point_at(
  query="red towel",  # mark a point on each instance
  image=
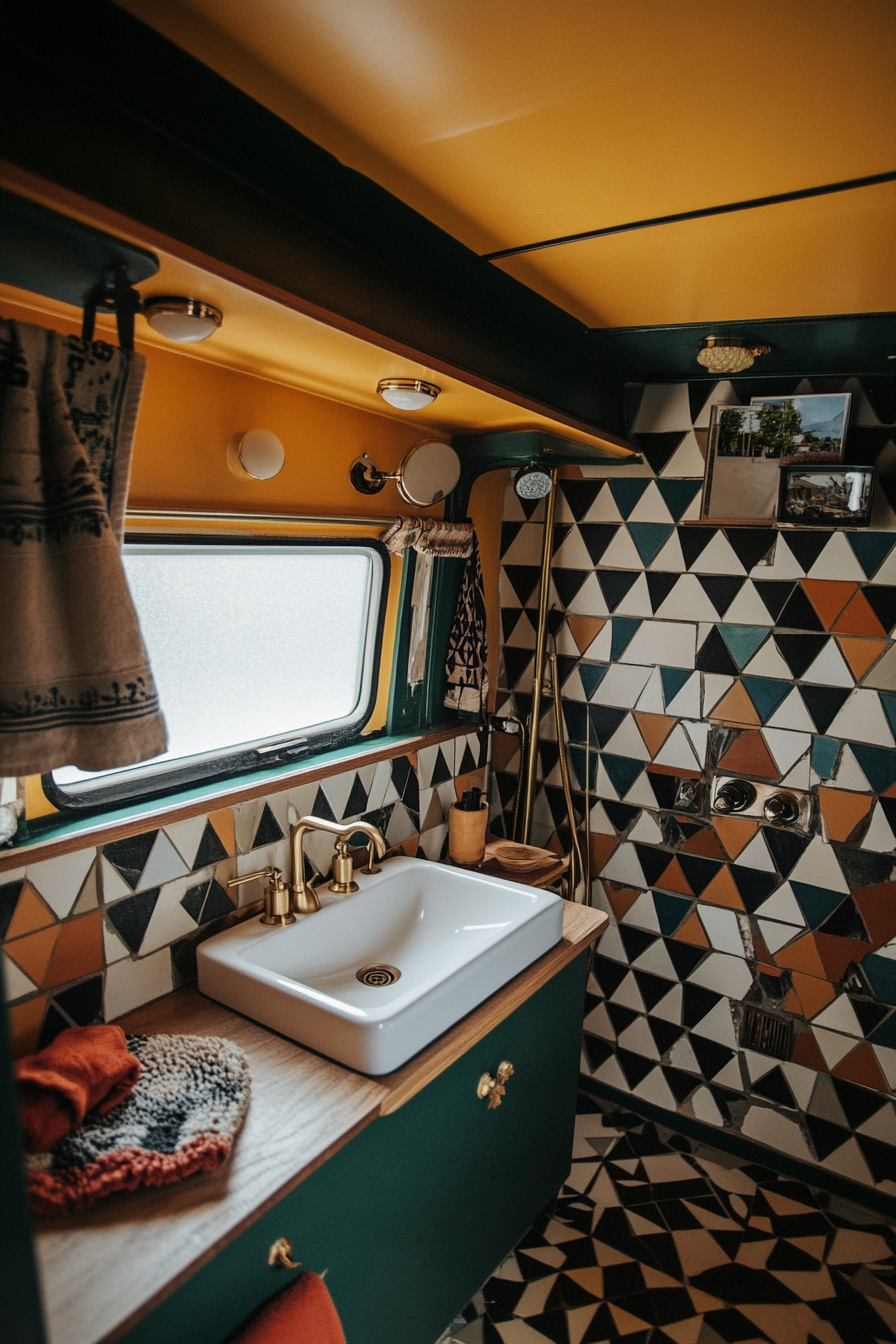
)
(301, 1314)
(83, 1069)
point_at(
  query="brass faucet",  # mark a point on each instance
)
(304, 899)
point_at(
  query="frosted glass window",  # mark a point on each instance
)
(252, 647)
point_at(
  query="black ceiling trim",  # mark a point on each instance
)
(780, 198)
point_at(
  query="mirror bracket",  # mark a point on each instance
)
(366, 478)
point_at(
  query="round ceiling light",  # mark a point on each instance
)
(407, 394)
(729, 354)
(533, 482)
(183, 320)
(255, 455)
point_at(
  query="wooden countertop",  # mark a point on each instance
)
(105, 1269)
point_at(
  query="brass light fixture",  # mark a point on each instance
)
(729, 354)
(407, 394)
(180, 319)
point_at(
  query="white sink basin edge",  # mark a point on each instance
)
(457, 937)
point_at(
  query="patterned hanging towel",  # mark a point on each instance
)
(466, 665)
(75, 683)
(181, 1117)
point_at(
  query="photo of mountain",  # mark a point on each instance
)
(801, 430)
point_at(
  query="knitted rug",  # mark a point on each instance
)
(180, 1118)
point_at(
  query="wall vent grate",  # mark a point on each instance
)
(766, 1034)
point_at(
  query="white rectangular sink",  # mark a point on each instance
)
(454, 935)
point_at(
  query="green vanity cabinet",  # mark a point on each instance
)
(411, 1216)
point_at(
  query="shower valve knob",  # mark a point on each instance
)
(782, 808)
(735, 796)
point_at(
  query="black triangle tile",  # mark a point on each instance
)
(129, 856)
(652, 987)
(862, 868)
(568, 582)
(753, 885)
(620, 1016)
(635, 941)
(609, 974)
(53, 1024)
(83, 1003)
(685, 958)
(774, 594)
(882, 600)
(698, 395)
(694, 541)
(523, 580)
(787, 1256)
(882, 397)
(799, 614)
(468, 762)
(131, 916)
(653, 861)
(870, 1015)
(615, 584)
(713, 655)
(441, 771)
(597, 537)
(698, 871)
(859, 1103)
(635, 1068)
(711, 1056)
(681, 1084)
(806, 546)
(580, 495)
(823, 703)
(210, 848)
(845, 922)
(510, 619)
(658, 449)
(529, 507)
(356, 803)
(322, 808)
(217, 903)
(786, 849)
(881, 1157)
(751, 544)
(268, 831)
(9, 899)
(509, 534)
(773, 1086)
(800, 651)
(597, 1051)
(696, 1002)
(194, 899)
(516, 661)
(620, 814)
(604, 721)
(721, 590)
(665, 1034)
(561, 532)
(659, 586)
(577, 717)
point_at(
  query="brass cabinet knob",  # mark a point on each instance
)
(493, 1088)
(281, 1254)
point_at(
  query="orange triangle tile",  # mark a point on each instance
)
(678, 771)
(584, 629)
(673, 879)
(412, 757)
(474, 780)
(842, 811)
(31, 913)
(861, 654)
(858, 619)
(621, 898)
(802, 956)
(602, 847)
(878, 910)
(837, 953)
(736, 708)
(749, 755)
(890, 792)
(78, 951)
(704, 842)
(792, 1003)
(807, 1053)
(222, 824)
(767, 968)
(814, 994)
(654, 728)
(32, 954)
(735, 833)
(702, 1301)
(828, 597)
(569, 472)
(692, 931)
(861, 1066)
(504, 747)
(591, 1278)
(683, 1332)
(722, 891)
(759, 948)
(25, 1022)
(626, 1323)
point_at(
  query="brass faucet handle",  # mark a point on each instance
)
(371, 866)
(343, 870)
(276, 895)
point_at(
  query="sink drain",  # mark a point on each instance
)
(378, 975)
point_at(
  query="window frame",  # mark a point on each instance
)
(128, 790)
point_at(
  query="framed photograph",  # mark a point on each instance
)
(741, 479)
(803, 430)
(826, 496)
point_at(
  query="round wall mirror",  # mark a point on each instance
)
(427, 473)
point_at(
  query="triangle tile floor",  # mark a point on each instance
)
(657, 1239)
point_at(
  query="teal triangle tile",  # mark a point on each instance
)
(881, 975)
(624, 631)
(670, 911)
(627, 490)
(673, 678)
(677, 495)
(743, 640)
(622, 770)
(584, 763)
(878, 765)
(649, 538)
(816, 903)
(888, 704)
(871, 549)
(825, 751)
(767, 694)
(591, 675)
(885, 1034)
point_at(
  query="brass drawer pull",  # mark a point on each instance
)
(494, 1088)
(280, 1254)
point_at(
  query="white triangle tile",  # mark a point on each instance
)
(803, 388)
(643, 914)
(799, 776)
(667, 643)
(694, 509)
(829, 668)
(573, 689)
(782, 905)
(669, 559)
(757, 1065)
(16, 981)
(664, 407)
(59, 880)
(715, 684)
(669, 1007)
(879, 837)
(792, 714)
(628, 994)
(730, 1076)
(723, 394)
(704, 630)
(784, 566)
(589, 600)
(641, 794)
(677, 751)
(862, 719)
(769, 1126)
(717, 1024)
(717, 558)
(646, 831)
(611, 1074)
(723, 973)
(637, 1037)
(682, 1056)
(114, 949)
(848, 1161)
(882, 676)
(636, 603)
(163, 865)
(525, 549)
(598, 1024)
(114, 885)
(850, 774)
(650, 508)
(522, 636)
(621, 553)
(801, 1082)
(748, 608)
(768, 663)
(687, 460)
(622, 686)
(603, 786)
(756, 855)
(601, 647)
(881, 1126)
(604, 509)
(786, 747)
(169, 919)
(655, 1089)
(840, 1016)
(650, 700)
(686, 701)
(573, 554)
(776, 935)
(687, 602)
(512, 511)
(185, 836)
(656, 960)
(89, 896)
(818, 866)
(887, 571)
(611, 945)
(698, 735)
(600, 822)
(623, 866)
(837, 561)
(722, 929)
(886, 1058)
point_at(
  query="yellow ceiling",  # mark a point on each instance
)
(515, 120)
